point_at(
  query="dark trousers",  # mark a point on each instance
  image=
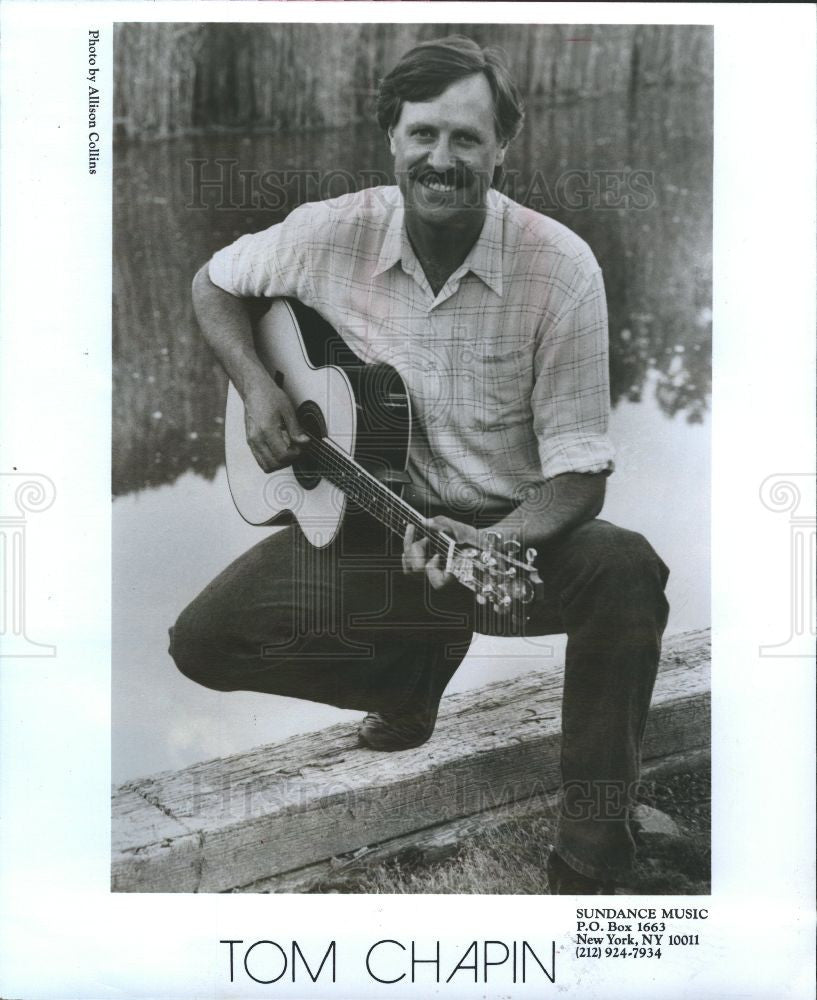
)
(343, 625)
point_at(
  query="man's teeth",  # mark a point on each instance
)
(437, 185)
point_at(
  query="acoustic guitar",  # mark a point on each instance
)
(358, 419)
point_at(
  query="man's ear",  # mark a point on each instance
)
(391, 139)
(499, 159)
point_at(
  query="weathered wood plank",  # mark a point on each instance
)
(150, 843)
(283, 807)
(438, 841)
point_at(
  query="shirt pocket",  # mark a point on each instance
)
(501, 383)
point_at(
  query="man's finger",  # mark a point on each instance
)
(293, 429)
(416, 554)
(408, 538)
(283, 446)
(462, 533)
(436, 575)
(262, 454)
(451, 528)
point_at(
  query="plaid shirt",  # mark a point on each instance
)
(506, 366)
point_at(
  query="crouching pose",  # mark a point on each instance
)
(495, 318)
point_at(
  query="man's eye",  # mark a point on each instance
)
(422, 133)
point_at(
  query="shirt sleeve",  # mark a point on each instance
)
(270, 263)
(571, 393)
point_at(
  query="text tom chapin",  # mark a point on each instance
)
(390, 961)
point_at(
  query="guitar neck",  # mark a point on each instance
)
(372, 496)
(497, 577)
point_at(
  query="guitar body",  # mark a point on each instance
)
(364, 409)
(358, 419)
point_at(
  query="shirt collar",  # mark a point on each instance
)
(392, 249)
(484, 258)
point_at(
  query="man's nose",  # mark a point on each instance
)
(441, 158)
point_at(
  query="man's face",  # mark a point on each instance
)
(445, 151)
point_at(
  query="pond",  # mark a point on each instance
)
(631, 174)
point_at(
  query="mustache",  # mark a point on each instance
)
(458, 176)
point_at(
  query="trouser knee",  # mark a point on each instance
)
(626, 559)
(197, 655)
(615, 573)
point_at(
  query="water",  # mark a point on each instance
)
(174, 526)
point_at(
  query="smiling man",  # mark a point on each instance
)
(446, 152)
(495, 317)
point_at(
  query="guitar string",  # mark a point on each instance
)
(391, 505)
(364, 479)
(373, 490)
(385, 505)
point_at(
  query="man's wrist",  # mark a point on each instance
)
(255, 382)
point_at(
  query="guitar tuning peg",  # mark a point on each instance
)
(492, 540)
(530, 556)
(512, 546)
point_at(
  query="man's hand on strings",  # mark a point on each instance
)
(417, 551)
(273, 432)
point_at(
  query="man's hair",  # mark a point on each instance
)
(428, 69)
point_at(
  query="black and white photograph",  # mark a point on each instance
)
(407, 490)
(411, 414)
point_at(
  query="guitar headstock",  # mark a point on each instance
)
(498, 573)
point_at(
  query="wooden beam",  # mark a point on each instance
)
(260, 817)
(437, 842)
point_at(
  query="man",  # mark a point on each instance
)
(495, 317)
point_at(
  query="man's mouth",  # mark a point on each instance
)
(444, 183)
(434, 183)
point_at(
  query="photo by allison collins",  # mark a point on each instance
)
(93, 102)
(420, 394)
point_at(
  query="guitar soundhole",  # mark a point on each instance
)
(306, 469)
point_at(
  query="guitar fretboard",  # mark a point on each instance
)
(370, 494)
